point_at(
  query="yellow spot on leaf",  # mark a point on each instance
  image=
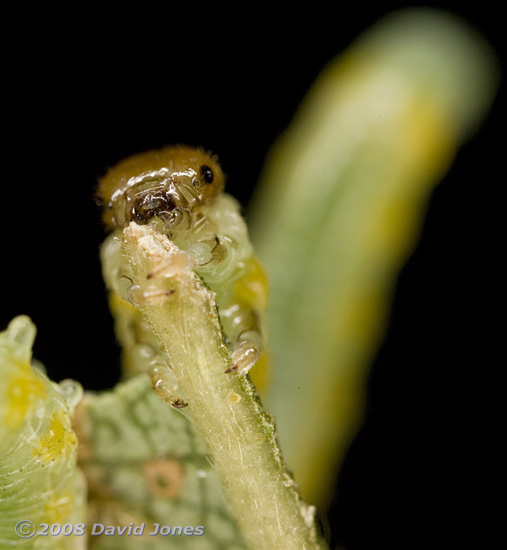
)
(24, 390)
(58, 440)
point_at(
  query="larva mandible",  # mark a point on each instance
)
(179, 190)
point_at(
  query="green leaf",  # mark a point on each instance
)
(39, 479)
(338, 211)
(146, 464)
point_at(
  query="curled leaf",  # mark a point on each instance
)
(39, 479)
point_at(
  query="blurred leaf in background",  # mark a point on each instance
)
(339, 210)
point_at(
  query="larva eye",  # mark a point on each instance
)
(207, 173)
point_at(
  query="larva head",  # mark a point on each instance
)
(167, 184)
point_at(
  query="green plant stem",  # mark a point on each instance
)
(240, 435)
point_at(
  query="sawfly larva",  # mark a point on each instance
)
(178, 191)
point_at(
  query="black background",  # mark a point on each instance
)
(82, 90)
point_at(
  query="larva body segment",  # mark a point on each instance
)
(179, 192)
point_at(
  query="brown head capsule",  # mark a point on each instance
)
(167, 184)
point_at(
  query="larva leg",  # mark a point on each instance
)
(241, 324)
(147, 295)
(142, 354)
(210, 252)
(212, 246)
(119, 279)
(205, 255)
(141, 350)
(245, 354)
(165, 383)
(163, 380)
